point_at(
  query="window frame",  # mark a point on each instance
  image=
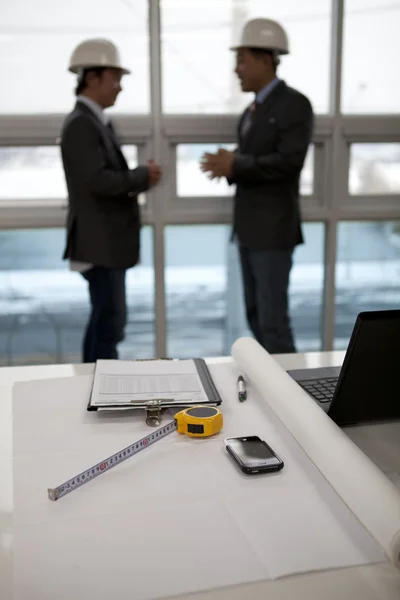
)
(157, 135)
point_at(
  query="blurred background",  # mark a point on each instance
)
(185, 297)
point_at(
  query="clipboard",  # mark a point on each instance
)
(151, 384)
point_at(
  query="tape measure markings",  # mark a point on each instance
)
(196, 421)
(112, 461)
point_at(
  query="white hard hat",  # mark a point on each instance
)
(266, 34)
(96, 52)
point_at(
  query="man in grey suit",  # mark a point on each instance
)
(274, 134)
(103, 224)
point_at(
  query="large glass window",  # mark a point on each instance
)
(44, 306)
(370, 50)
(191, 182)
(38, 37)
(374, 169)
(198, 65)
(306, 287)
(205, 309)
(367, 272)
(36, 173)
(196, 284)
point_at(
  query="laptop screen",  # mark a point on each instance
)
(368, 388)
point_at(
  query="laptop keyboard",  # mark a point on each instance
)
(320, 389)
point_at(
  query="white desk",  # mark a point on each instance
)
(381, 443)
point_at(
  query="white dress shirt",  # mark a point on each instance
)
(96, 108)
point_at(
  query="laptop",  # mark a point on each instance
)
(367, 386)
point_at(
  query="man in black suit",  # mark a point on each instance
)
(103, 224)
(274, 134)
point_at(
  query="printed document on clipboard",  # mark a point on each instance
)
(123, 384)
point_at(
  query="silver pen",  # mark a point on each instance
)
(242, 394)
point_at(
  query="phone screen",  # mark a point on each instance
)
(253, 452)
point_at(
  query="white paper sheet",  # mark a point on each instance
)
(177, 518)
(135, 382)
(358, 481)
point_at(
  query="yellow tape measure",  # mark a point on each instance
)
(197, 421)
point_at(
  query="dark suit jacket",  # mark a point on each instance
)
(267, 169)
(103, 221)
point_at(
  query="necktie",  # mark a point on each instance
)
(249, 118)
(110, 127)
(115, 141)
(113, 134)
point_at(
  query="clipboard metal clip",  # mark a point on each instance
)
(154, 409)
(153, 413)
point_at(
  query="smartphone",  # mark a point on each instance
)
(253, 455)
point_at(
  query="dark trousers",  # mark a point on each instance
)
(266, 280)
(105, 328)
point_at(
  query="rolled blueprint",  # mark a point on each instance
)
(363, 487)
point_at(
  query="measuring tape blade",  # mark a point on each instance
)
(112, 461)
(196, 421)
